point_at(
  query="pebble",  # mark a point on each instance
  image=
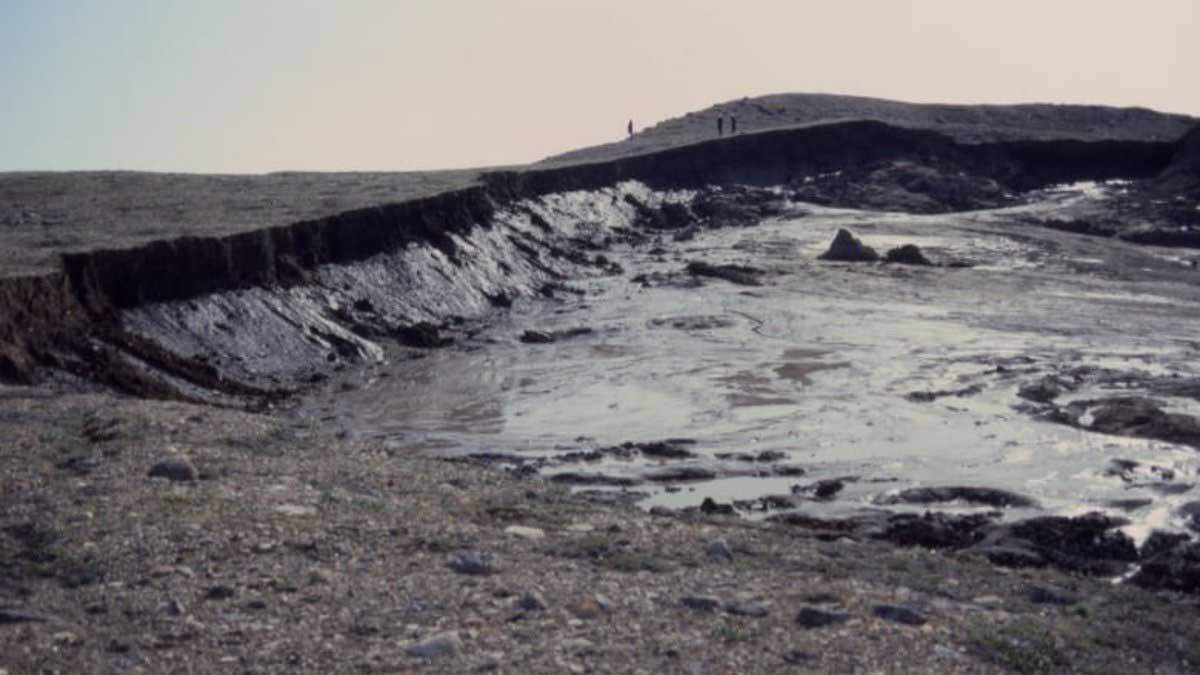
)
(719, 550)
(989, 600)
(177, 469)
(162, 571)
(320, 577)
(442, 644)
(604, 603)
(295, 510)
(898, 614)
(703, 603)
(532, 602)
(811, 617)
(13, 615)
(524, 532)
(751, 609)
(490, 661)
(476, 563)
(581, 527)
(220, 592)
(578, 646)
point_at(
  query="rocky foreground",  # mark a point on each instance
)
(142, 536)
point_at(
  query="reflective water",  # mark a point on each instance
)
(817, 363)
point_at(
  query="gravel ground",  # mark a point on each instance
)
(261, 546)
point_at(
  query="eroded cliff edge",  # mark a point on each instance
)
(69, 320)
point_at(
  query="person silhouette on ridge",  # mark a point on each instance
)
(720, 125)
(630, 128)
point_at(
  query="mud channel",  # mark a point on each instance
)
(828, 388)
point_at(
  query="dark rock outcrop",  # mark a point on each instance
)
(973, 495)
(908, 254)
(741, 275)
(847, 248)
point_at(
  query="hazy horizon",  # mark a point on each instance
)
(276, 85)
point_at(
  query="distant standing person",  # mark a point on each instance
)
(732, 125)
(630, 127)
(720, 125)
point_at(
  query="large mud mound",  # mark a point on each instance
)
(963, 123)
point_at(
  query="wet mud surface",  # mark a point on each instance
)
(1024, 364)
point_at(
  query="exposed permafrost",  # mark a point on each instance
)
(344, 313)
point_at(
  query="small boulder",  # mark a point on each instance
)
(177, 469)
(907, 254)
(901, 615)
(474, 563)
(701, 603)
(442, 644)
(812, 617)
(848, 248)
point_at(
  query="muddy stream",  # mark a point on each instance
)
(883, 376)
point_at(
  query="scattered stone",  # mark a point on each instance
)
(936, 530)
(442, 644)
(578, 646)
(1161, 542)
(736, 274)
(581, 527)
(898, 614)
(1128, 504)
(680, 474)
(908, 254)
(475, 563)
(10, 615)
(711, 507)
(1190, 513)
(764, 456)
(664, 450)
(295, 510)
(592, 478)
(1041, 595)
(525, 532)
(220, 592)
(847, 248)
(116, 646)
(813, 617)
(827, 489)
(746, 608)
(532, 601)
(536, 337)
(1044, 390)
(974, 495)
(547, 337)
(719, 550)
(1176, 569)
(177, 469)
(702, 603)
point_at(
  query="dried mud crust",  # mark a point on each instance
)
(267, 547)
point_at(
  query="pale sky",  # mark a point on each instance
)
(265, 85)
